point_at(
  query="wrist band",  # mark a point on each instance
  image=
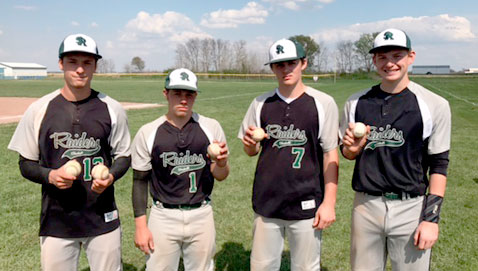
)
(432, 207)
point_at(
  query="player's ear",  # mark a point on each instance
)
(303, 62)
(60, 63)
(165, 93)
(411, 57)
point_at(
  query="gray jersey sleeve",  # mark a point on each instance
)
(253, 114)
(328, 119)
(143, 144)
(120, 139)
(348, 114)
(436, 118)
(211, 128)
(25, 138)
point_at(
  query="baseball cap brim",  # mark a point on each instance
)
(386, 48)
(283, 60)
(183, 87)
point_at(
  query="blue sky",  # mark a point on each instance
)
(442, 32)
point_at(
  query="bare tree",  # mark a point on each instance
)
(127, 68)
(362, 47)
(345, 56)
(322, 58)
(206, 53)
(105, 66)
(138, 63)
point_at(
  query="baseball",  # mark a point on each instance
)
(73, 168)
(258, 134)
(359, 130)
(214, 150)
(100, 171)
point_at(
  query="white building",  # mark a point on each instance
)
(12, 70)
(431, 69)
(471, 70)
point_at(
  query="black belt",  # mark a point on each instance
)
(393, 195)
(183, 206)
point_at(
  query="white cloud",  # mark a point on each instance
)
(94, 24)
(75, 23)
(423, 29)
(28, 8)
(252, 13)
(1, 32)
(170, 25)
(297, 4)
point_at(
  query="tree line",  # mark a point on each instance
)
(223, 56)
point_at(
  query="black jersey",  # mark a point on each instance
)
(181, 172)
(289, 180)
(54, 131)
(406, 128)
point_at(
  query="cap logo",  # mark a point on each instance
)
(184, 76)
(81, 41)
(388, 36)
(280, 49)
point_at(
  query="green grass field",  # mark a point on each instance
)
(227, 101)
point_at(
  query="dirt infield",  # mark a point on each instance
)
(12, 108)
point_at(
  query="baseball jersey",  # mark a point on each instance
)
(54, 131)
(181, 171)
(407, 129)
(289, 180)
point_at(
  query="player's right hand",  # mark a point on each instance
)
(60, 178)
(143, 239)
(352, 144)
(251, 147)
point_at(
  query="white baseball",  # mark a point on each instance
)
(73, 168)
(100, 171)
(258, 134)
(359, 130)
(214, 150)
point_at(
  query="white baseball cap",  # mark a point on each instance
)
(391, 38)
(285, 50)
(78, 43)
(181, 79)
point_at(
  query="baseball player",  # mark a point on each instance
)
(78, 123)
(170, 153)
(404, 153)
(295, 181)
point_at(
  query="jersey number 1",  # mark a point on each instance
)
(192, 183)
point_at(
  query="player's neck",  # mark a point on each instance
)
(75, 94)
(394, 87)
(176, 121)
(292, 91)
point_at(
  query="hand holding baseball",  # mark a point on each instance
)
(64, 176)
(101, 178)
(354, 139)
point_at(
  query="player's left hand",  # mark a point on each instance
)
(99, 185)
(324, 217)
(426, 235)
(221, 159)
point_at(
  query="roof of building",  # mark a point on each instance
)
(17, 65)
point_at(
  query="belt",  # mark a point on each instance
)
(182, 206)
(393, 195)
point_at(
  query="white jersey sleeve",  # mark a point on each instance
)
(119, 139)
(25, 138)
(253, 114)
(143, 144)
